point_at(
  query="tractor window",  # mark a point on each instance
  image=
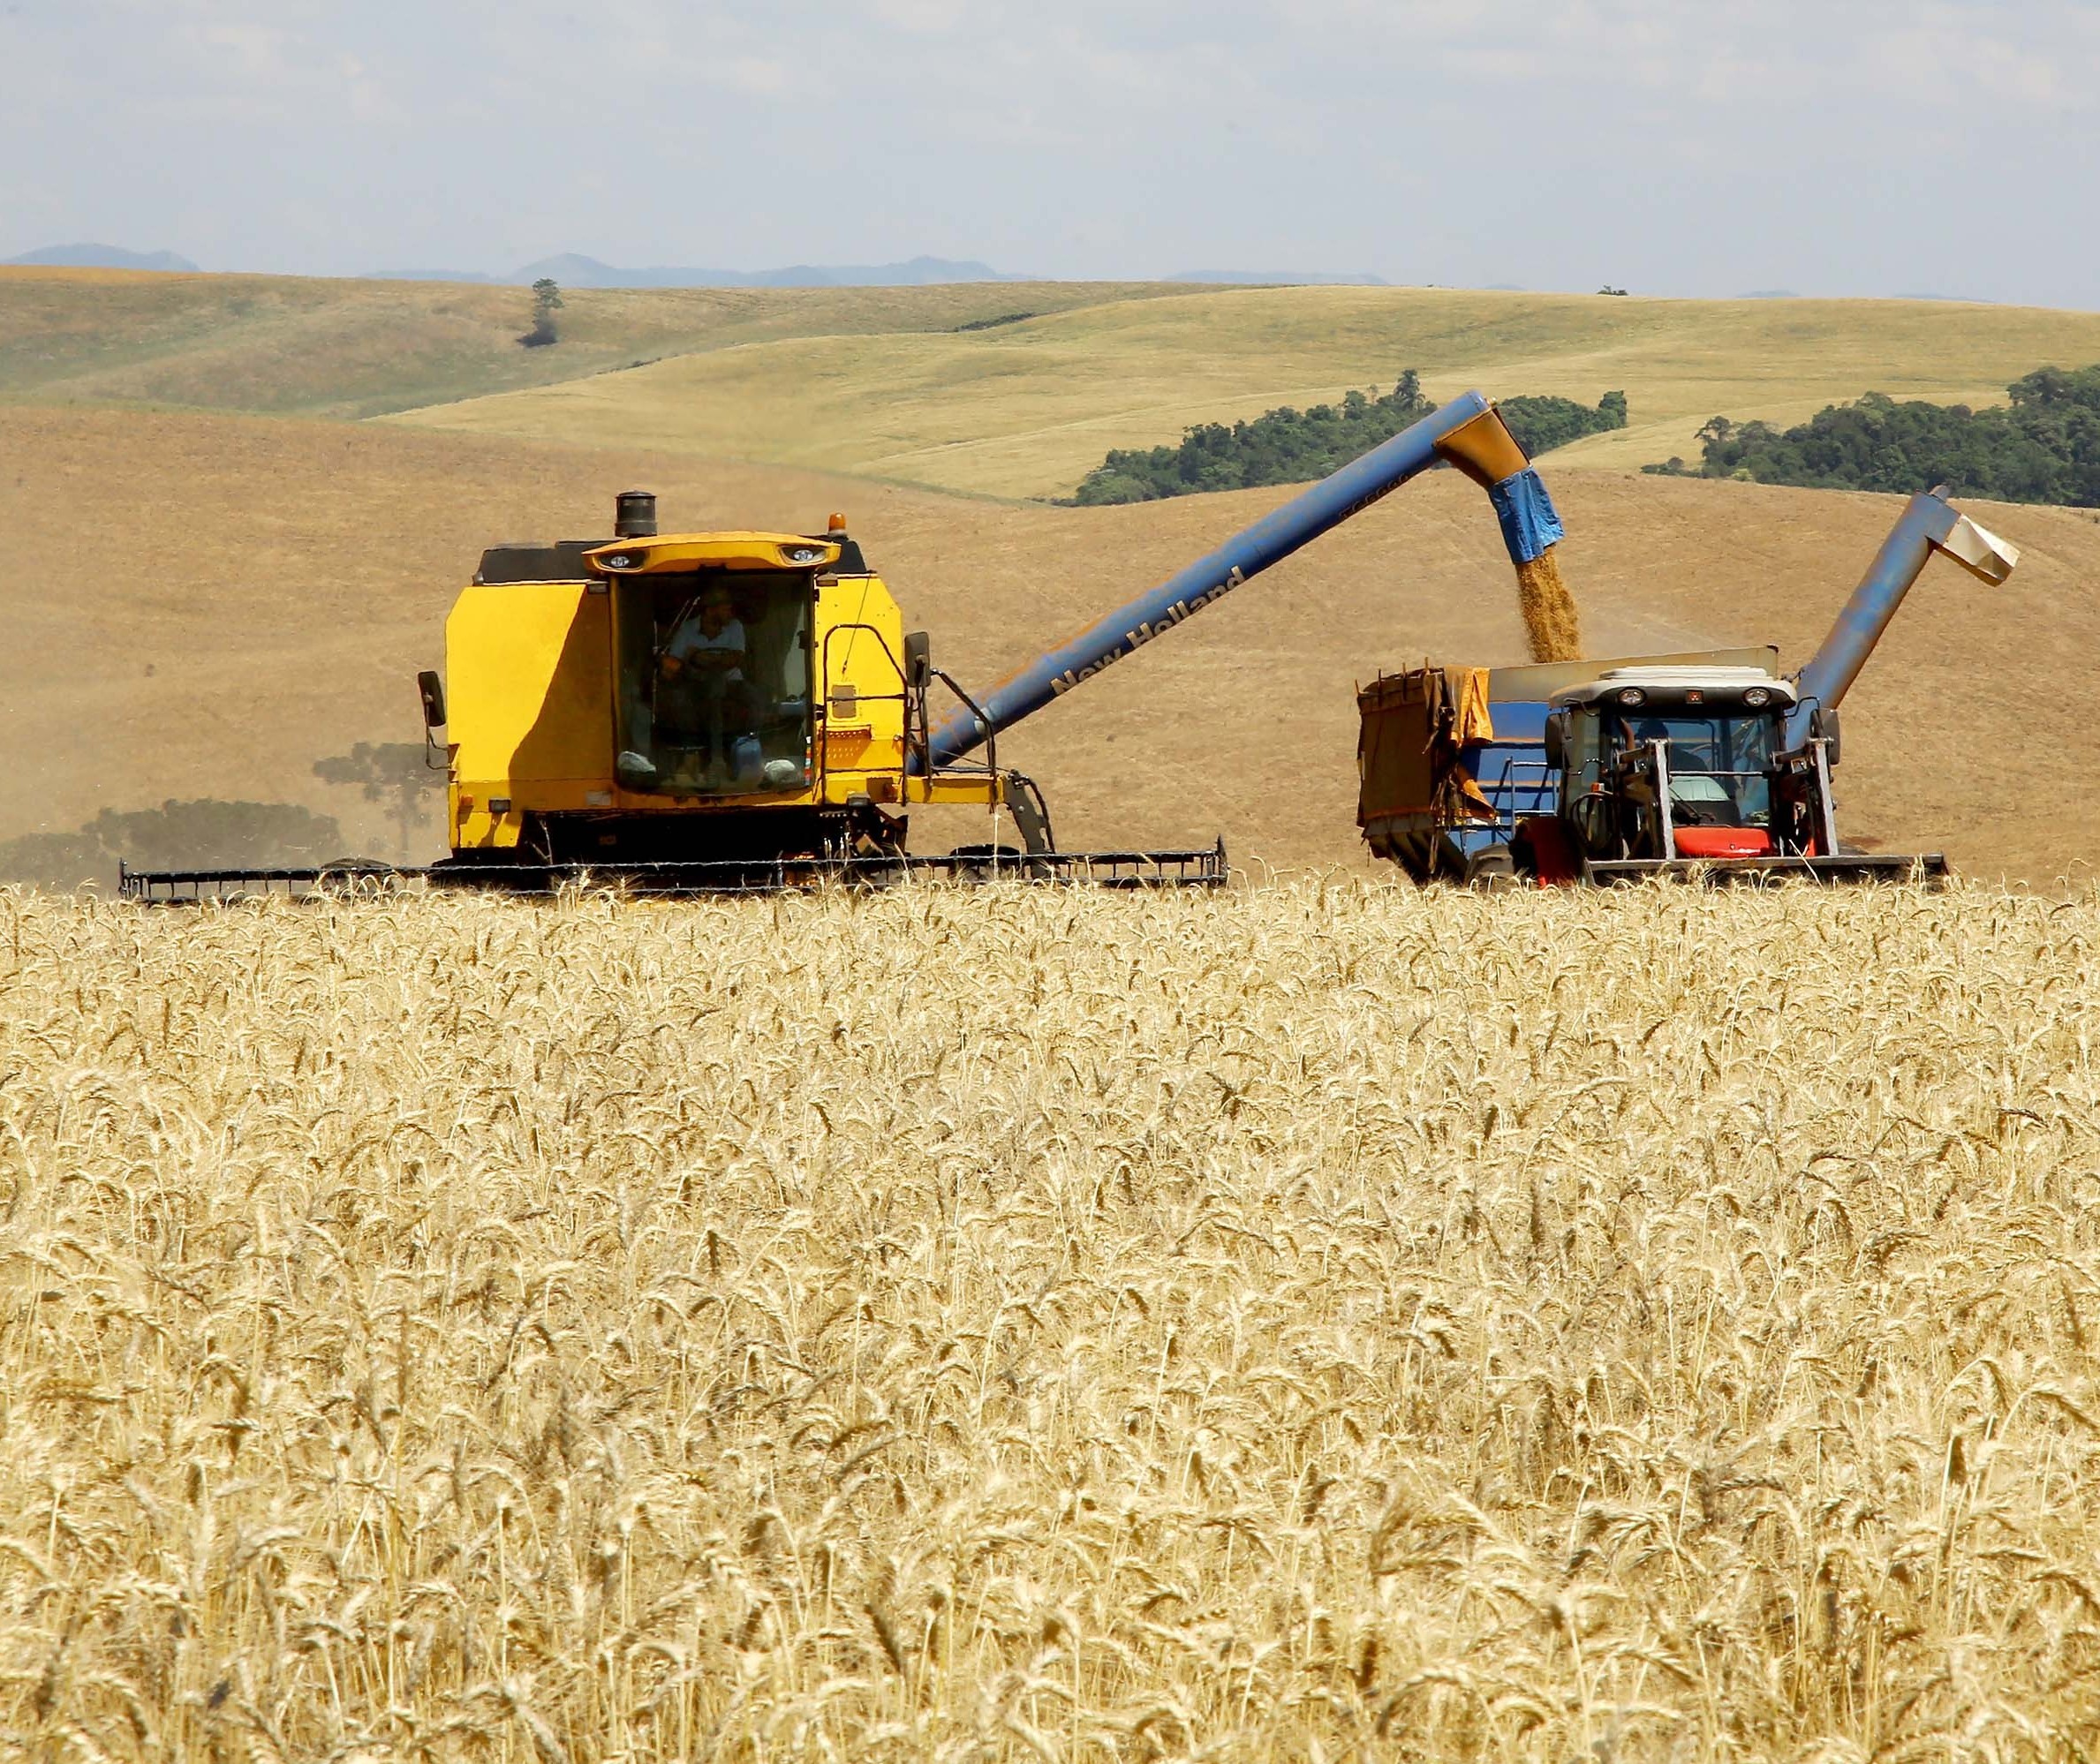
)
(1720, 768)
(714, 682)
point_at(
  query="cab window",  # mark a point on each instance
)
(713, 681)
(1721, 766)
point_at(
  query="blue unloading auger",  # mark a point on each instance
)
(1467, 433)
(1929, 523)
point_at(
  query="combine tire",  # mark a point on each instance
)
(990, 863)
(1492, 868)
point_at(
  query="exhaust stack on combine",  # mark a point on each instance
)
(1467, 433)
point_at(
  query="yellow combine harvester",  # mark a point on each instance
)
(725, 696)
(697, 712)
(702, 712)
(718, 710)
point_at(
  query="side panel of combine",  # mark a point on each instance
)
(860, 650)
(530, 685)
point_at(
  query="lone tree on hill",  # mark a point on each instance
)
(547, 301)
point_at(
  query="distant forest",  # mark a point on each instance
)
(2043, 447)
(1286, 446)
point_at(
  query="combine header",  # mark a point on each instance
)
(704, 712)
(1709, 764)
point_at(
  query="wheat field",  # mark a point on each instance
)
(1315, 1322)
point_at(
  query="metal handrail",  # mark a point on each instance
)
(1507, 786)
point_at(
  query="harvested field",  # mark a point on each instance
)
(1304, 1323)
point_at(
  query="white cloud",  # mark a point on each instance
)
(924, 18)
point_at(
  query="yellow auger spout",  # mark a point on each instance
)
(1487, 453)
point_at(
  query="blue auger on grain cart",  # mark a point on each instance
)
(1709, 764)
(703, 713)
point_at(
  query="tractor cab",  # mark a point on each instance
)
(1684, 763)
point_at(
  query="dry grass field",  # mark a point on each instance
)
(882, 382)
(237, 597)
(1025, 410)
(1329, 1322)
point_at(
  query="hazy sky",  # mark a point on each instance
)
(1703, 147)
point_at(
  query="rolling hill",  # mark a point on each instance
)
(1026, 409)
(1007, 389)
(255, 594)
(299, 346)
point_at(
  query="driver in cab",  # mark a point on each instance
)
(703, 667)
(1695, 795)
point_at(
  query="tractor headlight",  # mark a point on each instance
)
(802, 554)
(1632, 695)
(1757, 697)
(621, 559)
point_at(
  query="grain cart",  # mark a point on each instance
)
(1606, 772)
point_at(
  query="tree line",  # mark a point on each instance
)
(2042, 447)
(1288, 446)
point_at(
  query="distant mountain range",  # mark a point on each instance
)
(1276, 278)
(572, 269)
(102, 256)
